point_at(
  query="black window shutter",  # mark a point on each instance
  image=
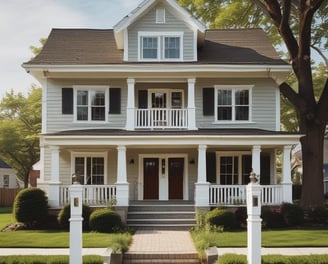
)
(67, 101)
(142, 99)
(114, 100)
(208, 101)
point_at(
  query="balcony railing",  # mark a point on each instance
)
(236, 195)
(93, 195)
(161, 118)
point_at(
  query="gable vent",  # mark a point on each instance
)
(160, 15)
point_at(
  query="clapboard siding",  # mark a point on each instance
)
(148, 23)
(56, 121)
(263, 104)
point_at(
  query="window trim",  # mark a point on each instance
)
(82, 154)
(160, 45)
(169, 96)
(103, 88)
(233, 88)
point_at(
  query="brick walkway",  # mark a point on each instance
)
(162, 241)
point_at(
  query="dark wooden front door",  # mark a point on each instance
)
(176, 166)
(150, 178)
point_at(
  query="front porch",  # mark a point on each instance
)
(218, 195)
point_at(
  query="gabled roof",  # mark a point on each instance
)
(4, 165)
(144, 7)
(98, 47)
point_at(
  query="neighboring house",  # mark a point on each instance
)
(8, 178)
(160, 108)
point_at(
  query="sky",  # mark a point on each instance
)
(23, 23)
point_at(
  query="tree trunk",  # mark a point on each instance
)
(26, 179)
(312, 158)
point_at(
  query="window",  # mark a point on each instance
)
(91, 103)
(160, 15)
(160, 46)
(5, 181)
(233, 168)
(233, 103)
(89, 168)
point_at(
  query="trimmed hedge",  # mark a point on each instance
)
(31, 207)
(221, 217)
(105, 221)
(292, 214)
(275, 259)
(65, 214)
(271, 218)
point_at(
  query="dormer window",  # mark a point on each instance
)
(165, 46)
(160, 15)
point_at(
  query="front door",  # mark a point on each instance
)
(176, 166)
(151, 178)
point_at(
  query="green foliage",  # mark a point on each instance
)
(241, 216)
(31, 207)
(274, 259)
(88, 259)
(20, 126)
(318, 215)
(105, 221)
(221, 217)
(271, 218)
(65, 214)
(292, 214)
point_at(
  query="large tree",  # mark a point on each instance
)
(20, 126)
(300, 25)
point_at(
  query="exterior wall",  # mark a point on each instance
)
(12, 178)
(263, 104)
(56, 121)
(148, 23)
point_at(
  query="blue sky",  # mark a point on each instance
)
(23, 23)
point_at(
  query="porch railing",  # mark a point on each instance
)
(92, 194)
(236, 195)
(161, 118)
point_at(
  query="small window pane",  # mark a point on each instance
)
(172, 47)
(82, 113)
(224, 97)
(149, 47)
(98, 106)
(224, 113)
(241, 97)
(242, 113)
(82, 97)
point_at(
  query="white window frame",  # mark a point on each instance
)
(90, 88)
(169, 96)
(81, 154)
(160, 15)
(160, 45)
(233, 89)
(238, 154)
(6, 181)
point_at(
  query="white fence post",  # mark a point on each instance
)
(75, 226)
(254, 221)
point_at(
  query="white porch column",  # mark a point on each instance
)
(191, 104)
(54, 184)
(256, 159)
(202, 186)
(122, 185)
(130, 111)
(286, 180)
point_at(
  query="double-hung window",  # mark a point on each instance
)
(165, 46)
(91, 103)
(233, 103)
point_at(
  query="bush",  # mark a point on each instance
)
(105, 221)
(221, 217)
(318, 215)
(241, 216)
(292, 214)
(31, 207)
(65, 214)
(271, 218)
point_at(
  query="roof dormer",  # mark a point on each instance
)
(159, 30)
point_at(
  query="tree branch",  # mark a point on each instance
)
(323, 103)
(320, 53)
(260, 5)
(292, 96)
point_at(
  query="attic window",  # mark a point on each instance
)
(160, 15)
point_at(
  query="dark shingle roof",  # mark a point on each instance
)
(94, 47)
(4, 165)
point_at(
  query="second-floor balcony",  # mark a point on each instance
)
(161, 118)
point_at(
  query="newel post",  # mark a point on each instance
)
(254, 220)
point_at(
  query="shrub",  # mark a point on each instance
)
(221, 217)
(241, 216)
(318, 215)
(292, 214)
(31, 207)
(65, 214)
(105, 221)
(271, 218)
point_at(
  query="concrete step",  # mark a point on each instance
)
(162, 208)
(161, 215)
(179, 258)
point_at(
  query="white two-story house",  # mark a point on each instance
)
(161, 108)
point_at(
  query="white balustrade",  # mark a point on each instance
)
(91, 194)
(161, 118)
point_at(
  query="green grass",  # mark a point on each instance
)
(92, 259)
(6, 217)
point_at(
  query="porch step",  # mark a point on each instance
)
(161, 258)
(161, 215)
